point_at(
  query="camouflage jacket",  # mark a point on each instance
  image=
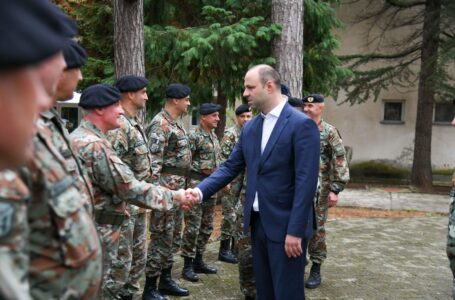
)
(112, 179)
(14, 233)
(170, 147)
(206, 153)
(63, 239)
(334, 170)
(61, 140)
(130, 144)
(230, 138)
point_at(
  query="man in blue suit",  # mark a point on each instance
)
(280, 149)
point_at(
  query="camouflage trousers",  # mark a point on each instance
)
(129, 264)
(317, 247)
(451, 237)
(110, 239)
(245, 257)
(165, 231)
(230, 205)
(198, 228)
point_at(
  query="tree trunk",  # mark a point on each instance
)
(129, 39)
(221, 99)
(287, 48)
(421, 167)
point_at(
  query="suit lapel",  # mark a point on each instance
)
(276, 132)
(257, 135)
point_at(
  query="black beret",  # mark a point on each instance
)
(295, 102)
(31, 31)
(313, 98)
(284, 89)
(209, 108)
(177, 91)
(241, 109)
(99, 95)
(131, 83)
(75, 55)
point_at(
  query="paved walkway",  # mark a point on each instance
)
(369, 258)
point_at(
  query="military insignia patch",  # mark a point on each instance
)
(310, 99)
(6, 218)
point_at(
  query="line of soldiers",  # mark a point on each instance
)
(74, 210)
(64, 198)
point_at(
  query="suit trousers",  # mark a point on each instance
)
(277, 276)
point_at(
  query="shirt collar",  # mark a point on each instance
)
(275, 112)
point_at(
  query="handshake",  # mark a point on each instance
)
(187, 198)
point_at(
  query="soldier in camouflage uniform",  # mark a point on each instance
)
(333, 176)
(230, 197)
(113, 181)
(130, 144)
(206, 157)
(171, 161)
(451, 227)
(22, 92)
(245, 252)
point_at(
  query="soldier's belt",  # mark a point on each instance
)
(175, 171)
(197, 176)
(109, 217)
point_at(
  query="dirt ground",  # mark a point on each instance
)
(340, 213)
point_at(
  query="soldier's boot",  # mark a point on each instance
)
(170, 287)
(150, 289)
(314, 280)
(188, 271)
(225, 253)
(200, 266)
(129, 297)
(249, 298)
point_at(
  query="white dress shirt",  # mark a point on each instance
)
(267, 128)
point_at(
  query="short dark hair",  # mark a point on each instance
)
(267, 73)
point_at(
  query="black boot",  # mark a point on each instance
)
(150, 290)
(188, 270)
(129, 297)
(170, 287)
(314, 280)
(249, 298)
(200, 266)
(225, 253)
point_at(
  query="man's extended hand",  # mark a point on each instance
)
(293, 246)
(332, 199)
(185, 202)
(192, 195)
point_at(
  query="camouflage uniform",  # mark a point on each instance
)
(65, 251)
(333, 176)
(451, 233)
(245, 252)
(171, 158)
(130, 144)
(206, 157)
(230, 199)
(14, 234)
(114, 184)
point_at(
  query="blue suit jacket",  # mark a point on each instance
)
(284, 176)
